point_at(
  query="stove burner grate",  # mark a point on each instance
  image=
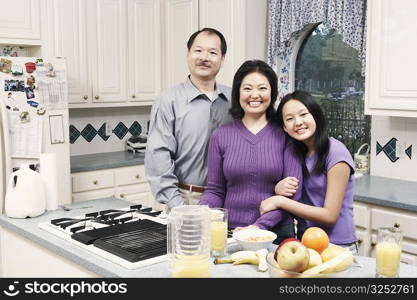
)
(147, 241)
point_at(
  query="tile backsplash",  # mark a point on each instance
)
(99, 130)
(393, 140)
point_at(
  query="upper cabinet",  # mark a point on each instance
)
(391, 82)
(112, 49)
(144, 36)
(183, 17)
(20, 22)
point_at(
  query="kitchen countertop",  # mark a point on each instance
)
(107, 160)
(29, 229)
(386, 192)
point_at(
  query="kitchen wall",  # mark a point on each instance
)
(393, 143)
(88, 128)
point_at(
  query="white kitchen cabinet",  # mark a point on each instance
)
(22, 257)
(391, 82)
(20, 22)
(126, 183)
(112, 48)
(144, 40)
(183, 17)
(369, 217)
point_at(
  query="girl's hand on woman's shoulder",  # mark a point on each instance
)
(287, 187)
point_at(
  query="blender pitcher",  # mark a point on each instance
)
(189, 241)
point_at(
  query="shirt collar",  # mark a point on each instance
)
(193, 92)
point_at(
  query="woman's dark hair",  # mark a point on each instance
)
(321, 140)
(223, 45)
(248, 67)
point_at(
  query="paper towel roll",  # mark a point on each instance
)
(48, 172)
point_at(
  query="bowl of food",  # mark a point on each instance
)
(254, 239)
(292, 259)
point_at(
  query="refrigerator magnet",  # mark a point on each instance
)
(24, 117)
(29, 93)
(40, 111)
(5, 65)
(17, 70)
(30, 67)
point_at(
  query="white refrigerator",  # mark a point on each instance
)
(34, 118)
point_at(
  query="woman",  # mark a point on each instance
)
(248, 156)
(328, 167)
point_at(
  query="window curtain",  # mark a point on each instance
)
(347, 17)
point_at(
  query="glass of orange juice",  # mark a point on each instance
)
(388, 251)
(218, 229)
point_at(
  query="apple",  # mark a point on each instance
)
(282, 243)
(293, 256)
(315, 258)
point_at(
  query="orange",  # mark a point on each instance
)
(315, 238)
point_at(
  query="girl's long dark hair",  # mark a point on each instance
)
(321, 139)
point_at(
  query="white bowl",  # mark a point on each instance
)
(254, 239)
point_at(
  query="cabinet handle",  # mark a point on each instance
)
(360, 241)
(122, 195)
(85, 97)
(95, 182)
(373, 244)
(96, 97)
(397, 225)
(133, 96)
(137, 176)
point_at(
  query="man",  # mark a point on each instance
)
(182, 120)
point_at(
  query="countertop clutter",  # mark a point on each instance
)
(95, 265)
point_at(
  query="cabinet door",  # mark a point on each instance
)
(391, 87)
(363, 242)
(144, 41)
(227, 17)
(181, 20)
(92, 195)
(70, 41)
(107, 41)
(94, 180)
(20, 19)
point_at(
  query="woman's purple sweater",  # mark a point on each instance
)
(243, 169)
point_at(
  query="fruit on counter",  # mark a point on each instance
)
(262, 265)
(330, 252)
(337, 264)
(292, 256)
(315, 258)
(282, 243)
(315, 238)
(239, 257)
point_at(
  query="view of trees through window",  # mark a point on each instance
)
(330, 70)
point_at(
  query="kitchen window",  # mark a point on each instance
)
(330, 70)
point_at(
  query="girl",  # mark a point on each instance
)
(328, 167)
(247, 157)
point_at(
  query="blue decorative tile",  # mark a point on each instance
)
(408, 151)
(389, 149)
(74, 134)
(135, 129)
(89, 132)
(102, 132)
(120, 130)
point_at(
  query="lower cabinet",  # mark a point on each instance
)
(369, 217)
(127, 183)
(21, 257)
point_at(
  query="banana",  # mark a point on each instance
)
(245, 257)
(241, 257)
(262, 265)
(337, 264)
